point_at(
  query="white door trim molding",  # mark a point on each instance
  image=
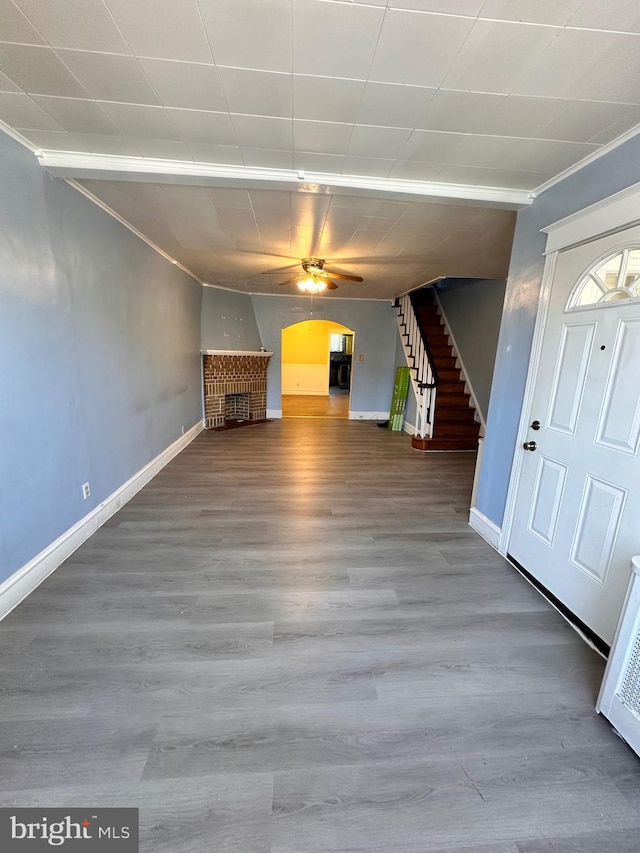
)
(523, 427)
(618, 211)
(23, 582)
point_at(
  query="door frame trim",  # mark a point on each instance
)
(614, 213)
(527, 401)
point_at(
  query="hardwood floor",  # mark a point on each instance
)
(292, 642)
(335, 405)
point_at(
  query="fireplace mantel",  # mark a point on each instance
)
(236, 352)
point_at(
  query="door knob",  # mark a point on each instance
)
(529, 445)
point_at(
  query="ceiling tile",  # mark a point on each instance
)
(496, 54)
(78, 116)
(141, 121)
(119, 145)
(472, 175)
(265, 43)
(555, 12)
(445, 7)
(321, 137)
(260, 132)
(418, 49)
(332, 39)
(394, 104)
(388, 209)
(185, 84)
(229, 198)
(376, 167)
(138, 204)
(50, 140)
(385, 142)
(19, 111)
(585, 65)
(623, 15)
(517, 115)
(109, 77)
(416, 170)
(460, 112)
(326, 99)
(14, 26)
(80, 24)
(256, 92)
(163, 149)
(267, 158)
(582, 120)
(431, 147)
(607, 78)
(327, 163)
(612, 131)
(166, 29)
(518, 154)
(194, 126)
(189, 214)
(225, 155)
(39, 71)
(7, 85)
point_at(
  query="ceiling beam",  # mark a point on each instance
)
(103, 167)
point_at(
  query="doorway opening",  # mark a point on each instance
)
(316, 369)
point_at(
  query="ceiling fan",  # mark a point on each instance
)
(315, 278)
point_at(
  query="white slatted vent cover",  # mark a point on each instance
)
(629, 691)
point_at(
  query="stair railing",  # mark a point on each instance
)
(424, 376)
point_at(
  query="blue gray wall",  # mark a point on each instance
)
(473, 310)
(228, 321)
(374, 325)
(99, 355)
(613, 172)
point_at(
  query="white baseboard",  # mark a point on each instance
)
(409, 428)
(17, 587)
(369, 416)
(274, 413)
(485, 527)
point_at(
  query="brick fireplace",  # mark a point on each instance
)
(235, 386)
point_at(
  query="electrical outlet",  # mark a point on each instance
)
(86, 490)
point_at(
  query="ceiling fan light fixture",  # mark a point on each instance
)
(312, 284)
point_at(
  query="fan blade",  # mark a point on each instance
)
(331, 285)
(341, 275)
(293, 280)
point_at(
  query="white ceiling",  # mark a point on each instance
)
(473, 94)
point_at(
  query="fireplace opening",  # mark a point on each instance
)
(236, 407)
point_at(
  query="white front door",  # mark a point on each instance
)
(577, 512)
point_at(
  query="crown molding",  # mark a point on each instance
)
(586, 161)
(80, 166)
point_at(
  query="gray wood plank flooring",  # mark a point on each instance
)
(292, 642)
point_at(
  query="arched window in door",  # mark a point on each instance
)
(613, 279)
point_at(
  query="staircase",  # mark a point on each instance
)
(448, 422)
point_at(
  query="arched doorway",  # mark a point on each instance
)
(316, 369)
